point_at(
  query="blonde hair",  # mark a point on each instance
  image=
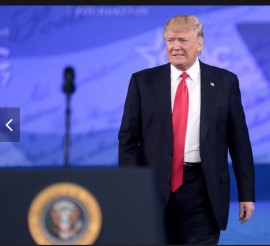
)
(184, 23)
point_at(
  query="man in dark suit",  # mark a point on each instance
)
(192, 175)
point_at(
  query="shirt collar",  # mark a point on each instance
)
(193, 71)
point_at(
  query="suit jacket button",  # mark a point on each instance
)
(169, 177)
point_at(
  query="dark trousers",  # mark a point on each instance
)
(189, 218)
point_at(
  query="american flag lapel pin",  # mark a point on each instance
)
(212, 84)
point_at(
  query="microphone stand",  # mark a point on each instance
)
(67, 136)
(68, 88)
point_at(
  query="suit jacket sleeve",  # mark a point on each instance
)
(129, 151)
(240, 147)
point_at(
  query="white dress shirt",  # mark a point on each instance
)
(192, 145)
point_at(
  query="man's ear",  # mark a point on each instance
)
(200, 42)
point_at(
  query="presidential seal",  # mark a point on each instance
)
(64, 213)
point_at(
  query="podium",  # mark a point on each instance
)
(118, 206)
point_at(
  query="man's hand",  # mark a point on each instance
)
(245, 211)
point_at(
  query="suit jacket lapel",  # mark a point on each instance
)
(162, 90)
(208, 98)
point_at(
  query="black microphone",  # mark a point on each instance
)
(69, 76)
(68, 88)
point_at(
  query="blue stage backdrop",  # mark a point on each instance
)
(105, 45)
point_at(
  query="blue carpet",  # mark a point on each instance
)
(254, 231)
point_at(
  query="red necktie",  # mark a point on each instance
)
(180, 116)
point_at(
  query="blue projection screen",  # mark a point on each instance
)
(105, 45)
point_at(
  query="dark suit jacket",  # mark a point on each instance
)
(145, 135)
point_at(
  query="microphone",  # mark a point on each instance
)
(68, 88)
(69, 76)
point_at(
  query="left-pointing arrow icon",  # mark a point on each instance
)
(7, 125)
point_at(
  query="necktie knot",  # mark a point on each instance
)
(184, 75)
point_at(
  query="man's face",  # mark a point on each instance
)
(182, 48)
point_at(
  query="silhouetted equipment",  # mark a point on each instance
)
(68, 88)
(69, 76)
